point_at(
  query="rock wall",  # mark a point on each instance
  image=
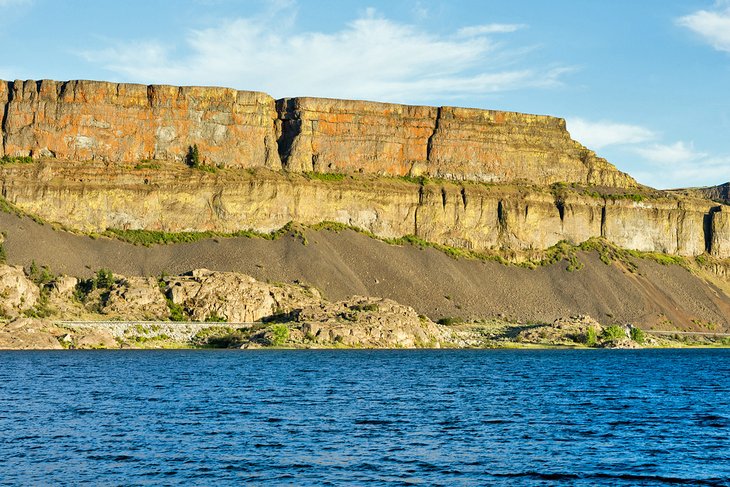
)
(90, 120)
(94, 196)
(126, 123)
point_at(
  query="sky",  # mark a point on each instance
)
(646, 84)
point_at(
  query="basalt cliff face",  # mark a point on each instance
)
(110, 156)
(89, 120)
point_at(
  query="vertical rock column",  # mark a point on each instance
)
(720, 241)
(4, 95)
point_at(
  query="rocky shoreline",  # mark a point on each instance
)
(207, 309)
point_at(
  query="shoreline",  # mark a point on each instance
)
(33, 334)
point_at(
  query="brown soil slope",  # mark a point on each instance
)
(347, 263)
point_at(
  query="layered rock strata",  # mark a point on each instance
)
(94, 197)
(126, 123)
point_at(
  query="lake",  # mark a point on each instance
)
(334, 417)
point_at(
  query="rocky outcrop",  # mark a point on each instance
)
(366, 322)
(17, 292)
(28, 334)
(719, 193)
(89, 140)
(93, 197)
(720, 232)
(128, 123)
(136, 298)
(227, 296)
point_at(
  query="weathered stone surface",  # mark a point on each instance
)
(92, 120)
(496, 146)
(367, 322)
(89, 135)
(27, 334)
(721, 232)
(325, 135)
(17, 292)
(344, 136)
(136, 298)
(207, 295)
(92, 197)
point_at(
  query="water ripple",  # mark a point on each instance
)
(650, 417)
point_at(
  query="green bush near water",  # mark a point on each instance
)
(591, 337)
(637, 335)
(279, 334)
(613, 332)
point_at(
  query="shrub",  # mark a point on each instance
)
(3, 255)
(637, 335)
(192, 158)
(220, 337)
(6, 159)
(104, 279)
(450, 320)
(177, 313)
(614, 332)
(591, 337)
(365, 307)
(279, 334)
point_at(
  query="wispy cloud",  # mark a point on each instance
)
(661, 165)
(679, 152)
(486, 29)
(712, 25)
(679, 165)
(371, 57)
(603, 133)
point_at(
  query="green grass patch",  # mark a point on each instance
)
(147, 165)
(6, 159)
(154, 237)
(325, 176)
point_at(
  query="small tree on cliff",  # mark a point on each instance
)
(192, 158)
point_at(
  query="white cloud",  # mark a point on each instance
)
(371, 57)
(478, 30)
(712, 25)
(659, 165)
(679, 152)
(600, 134)
(679, 165)
(707, 171)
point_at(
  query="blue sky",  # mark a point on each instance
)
(645, 84)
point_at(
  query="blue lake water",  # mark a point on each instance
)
(651, 417)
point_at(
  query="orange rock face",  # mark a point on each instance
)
(88, 120)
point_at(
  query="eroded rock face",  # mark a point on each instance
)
(345, 136)
(17, 292)
(234, 297)
(93, 198)
(126, 123)
(720, 245)
(27, 334)
(368, 322)
(136, 298)
(92, 120)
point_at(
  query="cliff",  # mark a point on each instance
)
(109, 156)
(126, 123)
(93, 197)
